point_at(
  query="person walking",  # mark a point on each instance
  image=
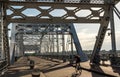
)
(77, 64)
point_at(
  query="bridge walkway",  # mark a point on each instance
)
(55, 68)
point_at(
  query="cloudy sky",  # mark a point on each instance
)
(87, 34)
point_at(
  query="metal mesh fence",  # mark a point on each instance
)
(97, 1)
(85, 1)
(66, 1)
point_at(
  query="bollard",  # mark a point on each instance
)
(64, 60)
(36, 73)
(32, 63)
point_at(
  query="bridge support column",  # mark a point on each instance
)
(63, 47)
(57, 40)
(4, 25)
(12, 45)
(112, 25)
(72, 53)
(1, 41)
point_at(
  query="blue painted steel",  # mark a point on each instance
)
(13, 56)
(83, 56)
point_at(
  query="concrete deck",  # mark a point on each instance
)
(102, 69)
(48, 68)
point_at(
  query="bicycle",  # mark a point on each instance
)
(78, 69)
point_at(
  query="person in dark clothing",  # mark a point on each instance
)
(77, 59)
(77, 63)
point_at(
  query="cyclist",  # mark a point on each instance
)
(77, 63)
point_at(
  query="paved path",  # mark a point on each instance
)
(49, 68)
(103, 69)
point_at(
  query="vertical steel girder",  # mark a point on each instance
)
(41, 38)
(72, 48)
(1, 56)
(112, 25)
(63, 44)
(21, 45)
(12, 59)
(5, 42)
(16, 44)
(12, 45)
(53, 41)
(57, 40)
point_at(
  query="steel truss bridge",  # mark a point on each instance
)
(44, 33)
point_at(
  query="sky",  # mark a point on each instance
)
(87, 34)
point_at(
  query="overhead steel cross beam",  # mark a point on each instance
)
(46, 15)
(63, 1)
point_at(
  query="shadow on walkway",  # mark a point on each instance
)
(55, 68)
(116, 69)
(95, 70)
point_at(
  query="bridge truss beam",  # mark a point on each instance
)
(45, 15)
(46, 39)
(4, 34)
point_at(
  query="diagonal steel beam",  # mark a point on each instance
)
(101, 34)
(78, 47)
